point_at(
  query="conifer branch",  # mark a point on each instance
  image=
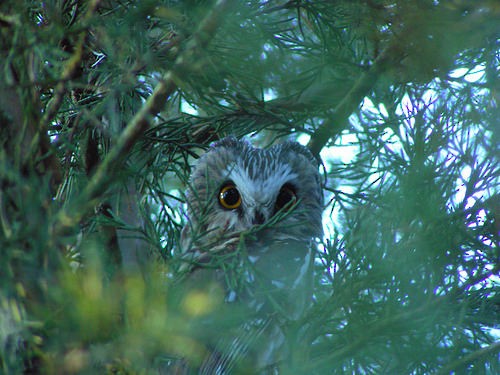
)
(40, 142)
(340, 119)
(69, 70)
(374, 330)
(397, 51)
(470, 358)
(407, 274)
(70, 216)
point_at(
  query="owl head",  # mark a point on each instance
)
(236, 187)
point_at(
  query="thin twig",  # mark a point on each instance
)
(370, 331)
(73, 213)
(469, 358)
(69, 69)
(339, 121)
(410, 315)
(40, 143)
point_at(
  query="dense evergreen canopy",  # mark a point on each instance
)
(105, 104)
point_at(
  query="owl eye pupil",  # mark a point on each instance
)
(286, 197)
(229, 197)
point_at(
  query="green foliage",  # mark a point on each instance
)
(105, 104)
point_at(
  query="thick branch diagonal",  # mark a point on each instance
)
(99, 182)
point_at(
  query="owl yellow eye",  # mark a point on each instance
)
(286, 197)
(229, 197)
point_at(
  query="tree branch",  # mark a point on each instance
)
(339, 121)
(375, 329)
(40, 143)
(73, 213)
(69, 70)
(480, 22)
(468, 359)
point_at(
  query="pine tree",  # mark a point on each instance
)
(105, 104)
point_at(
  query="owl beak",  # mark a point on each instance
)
(258, 218)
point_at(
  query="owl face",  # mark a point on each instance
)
(235, 187)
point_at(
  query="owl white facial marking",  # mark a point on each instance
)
(254, 184)
(258, 195)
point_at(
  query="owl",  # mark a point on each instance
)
(253, 215)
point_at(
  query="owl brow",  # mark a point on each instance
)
(229, 169)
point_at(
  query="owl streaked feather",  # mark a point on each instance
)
(260, 252)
